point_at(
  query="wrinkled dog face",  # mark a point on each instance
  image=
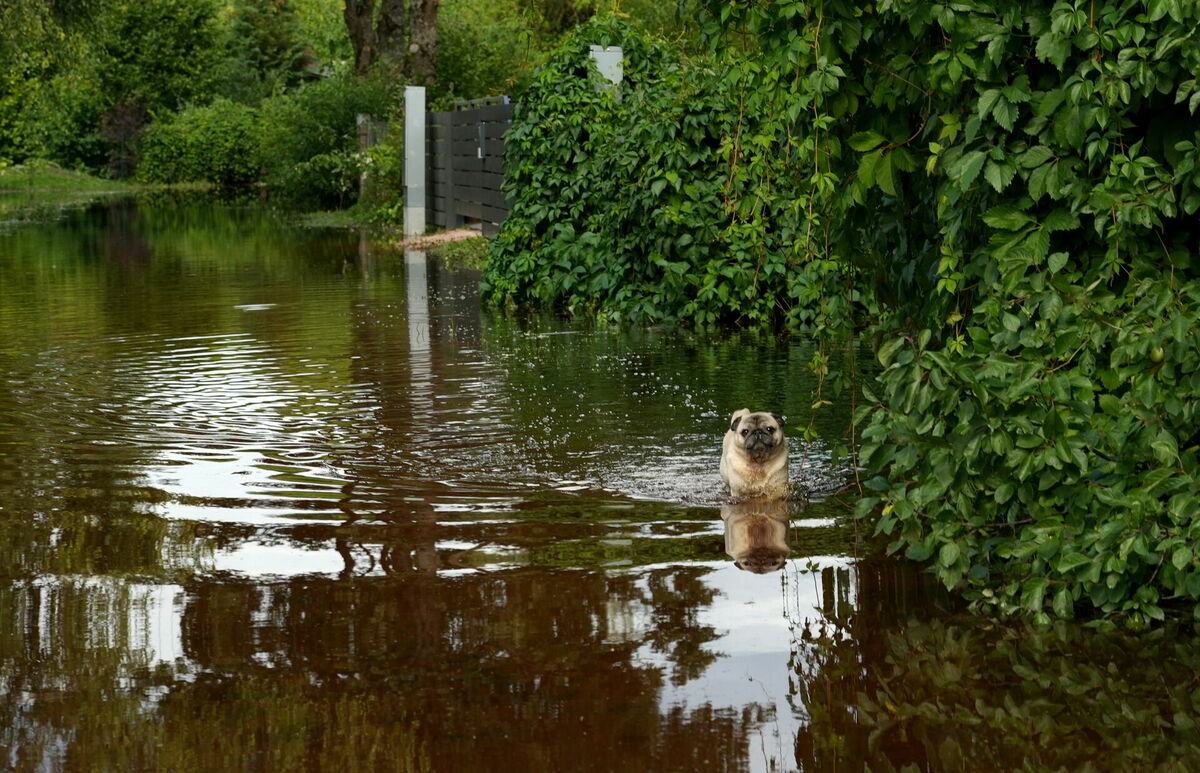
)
(754, 456)
(758, 434)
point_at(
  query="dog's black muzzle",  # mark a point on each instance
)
(759, 444)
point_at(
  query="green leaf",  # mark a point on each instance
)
(999, 175)
(949, 554)
(884, 177)
(864, 141)
(987, 102)
(1063, 605)
(1165, 449)
(1044, 180)
(1056, 260)
(918, 552)
(1033, 592)
(866, 168)
(967, 168)
(888, 351)
(877, 483)
(1053, 48)
(1071, 562)
(1006, 217)
(1005, 113)
(1035, 156)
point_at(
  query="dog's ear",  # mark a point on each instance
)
(738, 415)
(779, 419)
(733, 425)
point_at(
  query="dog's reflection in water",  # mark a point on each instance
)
(756, 534)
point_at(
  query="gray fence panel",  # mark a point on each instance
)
(466, 163)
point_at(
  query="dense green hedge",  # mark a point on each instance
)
(219, 143)
(635, 204)
(302, 144)
(1003, 193)
(586, 171)
(310, 138)
(1034, 429)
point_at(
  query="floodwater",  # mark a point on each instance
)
(273, 499)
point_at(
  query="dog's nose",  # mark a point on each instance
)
(760, 437)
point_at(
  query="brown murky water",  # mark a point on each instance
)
(272, 500)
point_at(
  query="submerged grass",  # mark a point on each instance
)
(464, 253)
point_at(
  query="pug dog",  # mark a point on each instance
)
(756, 534)
(754, 459)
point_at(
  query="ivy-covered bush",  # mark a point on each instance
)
(631, 204)
(1003, 194)
(218, 143)
(586, 168)
(1018, 188)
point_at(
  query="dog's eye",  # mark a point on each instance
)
(770, 430)
(745, 432)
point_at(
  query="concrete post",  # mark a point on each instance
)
(414, 160)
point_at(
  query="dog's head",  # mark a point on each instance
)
(759, 434)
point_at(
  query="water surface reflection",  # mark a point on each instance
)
(274, 500)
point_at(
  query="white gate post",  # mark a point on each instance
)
(414, 160)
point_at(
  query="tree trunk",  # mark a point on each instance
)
(424, 39)
(357, 14)
(392, 33)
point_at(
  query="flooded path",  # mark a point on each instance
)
(272, 500)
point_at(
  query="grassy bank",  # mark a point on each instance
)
(47, 177)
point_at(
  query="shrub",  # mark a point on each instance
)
(218, 143)
(310, 138)
(159, 54)
(476, 60)
(1034, 429)
(617, 204)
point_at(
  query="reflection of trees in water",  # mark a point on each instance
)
(521, 667)
(675, 600)
(502, 670)
(67, 651)
(886, 686)
(669, 599)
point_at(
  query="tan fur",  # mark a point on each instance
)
(745, 475)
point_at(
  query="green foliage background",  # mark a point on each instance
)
(661, 204)
(1002, 194)
(233, 93)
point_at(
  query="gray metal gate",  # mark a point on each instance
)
(465, 163)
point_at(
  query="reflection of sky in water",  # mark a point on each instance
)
(284, 560)
(754, 615)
